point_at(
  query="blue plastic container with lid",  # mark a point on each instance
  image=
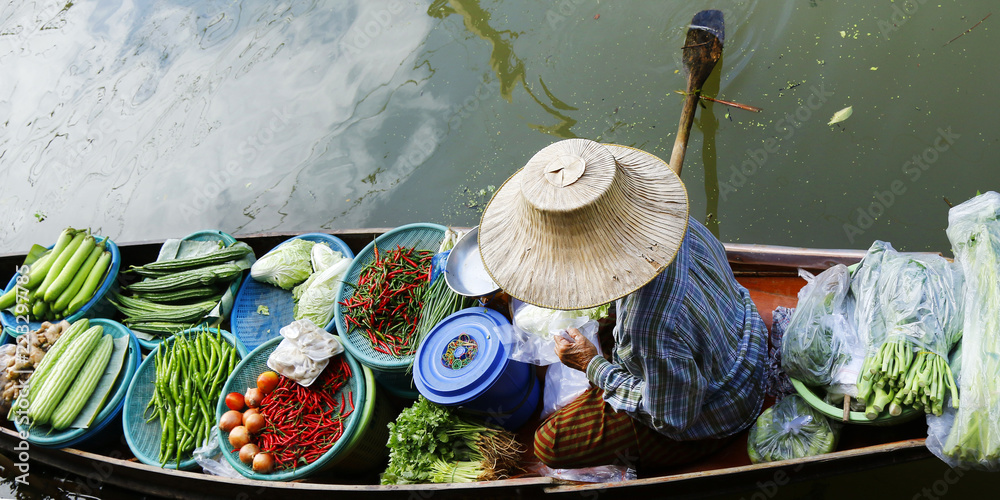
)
(464, 362)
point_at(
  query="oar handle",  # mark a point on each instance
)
(683, 132)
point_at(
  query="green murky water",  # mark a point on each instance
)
(153, 119)
(147, 120)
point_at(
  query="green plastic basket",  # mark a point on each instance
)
(45, 436)
(234, 287)
(245, 375)
(854, 417)
(143, 437)
(367, 448)
(390, 371)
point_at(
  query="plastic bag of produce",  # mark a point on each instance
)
(285, 266)
(912, 306)
(808, 348)
(921, 301)
(973, 439)
(790, 429)
(535, 328)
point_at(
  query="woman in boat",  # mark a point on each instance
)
(584, 224)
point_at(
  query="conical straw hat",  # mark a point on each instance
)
(583, 224)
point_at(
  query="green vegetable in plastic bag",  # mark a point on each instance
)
(973, 440)
(285, 266)
(790, 429)
(808, 349)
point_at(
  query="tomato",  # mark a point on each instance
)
(267, 381)
(234, 401)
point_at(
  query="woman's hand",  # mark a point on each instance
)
(577, 353)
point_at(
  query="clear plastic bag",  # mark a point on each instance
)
(533, 336)
(599, 474)
(808, 350)
(920, 300)
(791, 429)
(908, 310)
(209, 457)
(973, 439)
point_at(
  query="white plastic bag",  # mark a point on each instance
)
(533, 338)
(304, 352)
(562, 385)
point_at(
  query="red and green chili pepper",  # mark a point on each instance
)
(387, 299)
(303, 423)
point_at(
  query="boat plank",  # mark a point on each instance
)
(738, 478)
(170, 483)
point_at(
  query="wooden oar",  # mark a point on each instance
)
(702, 49)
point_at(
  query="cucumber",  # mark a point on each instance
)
(83, 386)
(69, 270)
(39, 269)
(60, 262)
(44, 402)
(81, 276)
(89, 287)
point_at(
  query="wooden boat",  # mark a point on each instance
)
(769, 272)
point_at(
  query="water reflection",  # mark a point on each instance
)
(154, 119)
(708, 124)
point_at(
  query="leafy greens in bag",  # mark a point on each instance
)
(808, 350)
(790, 429)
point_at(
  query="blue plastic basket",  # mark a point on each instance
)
(390, 371)
(45, 436)
(143, 437)
(254, 328)
(96, 307)
(234, 287)
(245, 375)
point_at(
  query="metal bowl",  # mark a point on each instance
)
(465, 272)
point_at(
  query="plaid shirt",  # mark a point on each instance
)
(690, 348)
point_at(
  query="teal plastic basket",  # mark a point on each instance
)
(367, 450)
(254, 328)
(234, 287)
(95, 307)
(143, 437)
(246, 374)
(45, 436)
(390, 371)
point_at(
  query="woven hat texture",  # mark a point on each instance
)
(583, 224)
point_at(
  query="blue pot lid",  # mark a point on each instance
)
(462, 356)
